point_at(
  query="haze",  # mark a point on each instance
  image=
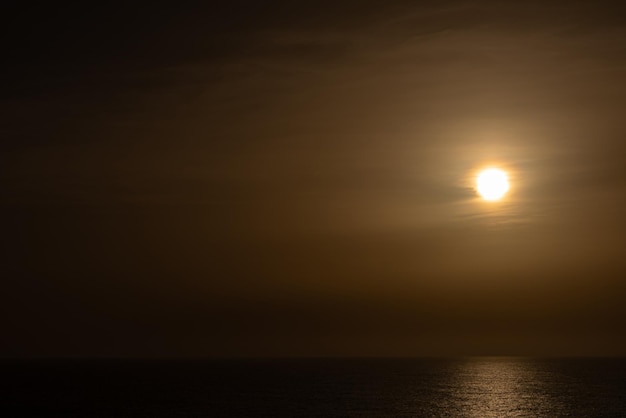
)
(296, 179)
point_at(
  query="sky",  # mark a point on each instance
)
(296, 178)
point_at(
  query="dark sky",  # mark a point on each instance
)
(296, 178)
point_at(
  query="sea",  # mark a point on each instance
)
(478, 387)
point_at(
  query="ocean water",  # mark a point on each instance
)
(466, 387)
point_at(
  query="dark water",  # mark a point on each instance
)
(474, 387)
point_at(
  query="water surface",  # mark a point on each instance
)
(471, 387)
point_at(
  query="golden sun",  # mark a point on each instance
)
(492, 184)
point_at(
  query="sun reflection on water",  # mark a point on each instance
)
(493, 387)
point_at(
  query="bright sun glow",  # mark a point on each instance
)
(492, 184)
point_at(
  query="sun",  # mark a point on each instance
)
(492, 184)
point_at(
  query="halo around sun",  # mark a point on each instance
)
(492, 184)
